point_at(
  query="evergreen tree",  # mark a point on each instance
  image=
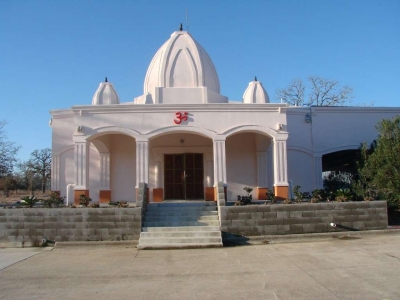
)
(379, 167)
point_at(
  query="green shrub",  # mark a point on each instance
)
(299, 196)
(271, 195)
(343, 195)
(244, 200)
(318, 195)
(30, 200)
(119, 203)
(55, 200)
(84, 200)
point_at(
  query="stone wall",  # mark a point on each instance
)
(255, 220)
(25, 227)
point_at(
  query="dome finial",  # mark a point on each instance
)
(255, 78)
(180, 27)
(106, 80)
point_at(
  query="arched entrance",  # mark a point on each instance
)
(116, 168)
(249, 163)
(180, 166)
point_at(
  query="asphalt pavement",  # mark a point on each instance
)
(366, 267)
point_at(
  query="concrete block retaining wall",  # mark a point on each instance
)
(25, 227)
(256, 220)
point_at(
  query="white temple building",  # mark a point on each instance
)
(182, 137)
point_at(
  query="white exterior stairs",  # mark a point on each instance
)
(179, 225)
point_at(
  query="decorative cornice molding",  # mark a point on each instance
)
(163, 108)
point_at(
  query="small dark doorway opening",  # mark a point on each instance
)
(183, 176)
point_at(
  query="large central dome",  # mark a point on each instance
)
(181, 67)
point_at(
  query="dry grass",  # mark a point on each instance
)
(15, 196)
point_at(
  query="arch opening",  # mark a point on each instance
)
(180, 166)
(339, 169)
(249, 163)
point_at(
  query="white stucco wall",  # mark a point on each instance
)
(66, 170)
(301, 169)
(347, 127)
(123, 168)
(331, 129)
(241, 164)
(94, 174)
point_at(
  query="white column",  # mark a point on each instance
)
(318, 172)
(280, 163)
(262, 168)
(210, 173)
(105, 171)
(270, 170)
(219, 161)
(55, 173)
(81, 165)
(157, 174)
(142, 161)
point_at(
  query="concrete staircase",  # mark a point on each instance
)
(171, 225)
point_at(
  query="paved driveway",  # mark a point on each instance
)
(10, 256)
(366, 268)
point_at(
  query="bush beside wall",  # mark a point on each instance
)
(28, 226)
(256, 220)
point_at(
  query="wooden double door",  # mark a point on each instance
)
(183, 176)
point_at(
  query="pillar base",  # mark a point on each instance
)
(216, 193)
(210, 194)
(158, 195)
(147, 194)
(77, 193)
(262, 193)
(105, 196)
(281, 192)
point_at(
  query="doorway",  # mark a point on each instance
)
(183, 176)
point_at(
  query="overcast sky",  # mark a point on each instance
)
(54, 54)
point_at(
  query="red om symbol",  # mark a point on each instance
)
(180, 116)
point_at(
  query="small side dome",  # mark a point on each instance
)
(255, 93)
(105, 94)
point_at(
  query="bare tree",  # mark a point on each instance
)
(26, 176)
(40, 162)
(322, 92)
(8, 152)
(293, 94)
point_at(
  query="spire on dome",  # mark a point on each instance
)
(255, 93)
(105, 94)
(181, 27)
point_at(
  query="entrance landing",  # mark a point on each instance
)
(185, 201)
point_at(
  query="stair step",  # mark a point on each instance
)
(175, 225)
(183, 228)
(180, 224)
(173, 234)
(182, 204)
(151, 218)
(182, 213)
(180, 240)
(177, 208)
(143, 246)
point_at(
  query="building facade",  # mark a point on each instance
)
(182, 137)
